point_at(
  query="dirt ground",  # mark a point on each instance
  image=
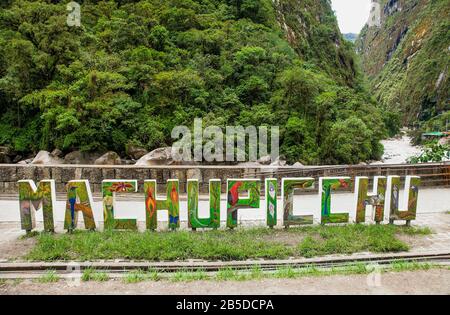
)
(16, 248)
(436, 281)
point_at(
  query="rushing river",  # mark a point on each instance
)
(398, 150)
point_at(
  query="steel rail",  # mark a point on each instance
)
(214, 266)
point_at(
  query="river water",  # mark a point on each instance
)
(398, 150)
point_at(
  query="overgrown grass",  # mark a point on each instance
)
(240, 244)
(186, 276)
(49, 277)
(255, 273)
(139, 275)
(31, 235)
(229, 274)
(93, 275)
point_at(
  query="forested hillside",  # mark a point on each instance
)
(407, 60)
(136, 69)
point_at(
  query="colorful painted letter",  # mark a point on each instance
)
(79, 198)
(234, 202)
(271, 201)
(31, 198)
(289, 186)
(171, 204)
(214, 205)
(375, 199)
(327, 185)
(110, 187)
(410, 196)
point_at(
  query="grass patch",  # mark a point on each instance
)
(93, 275)
(186, 276)
(400, 266)
(229, 274)
(31, 235)
(50, 276)
(139, 275)
(239, 244)
(355, 238)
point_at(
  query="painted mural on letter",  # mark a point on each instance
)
(375, 199)
(289, 186)
(236, 202)
(171, 203)
(271, 201)
(327, 186)
(213, 221)
(32, 198)
(79, 199)
(412, 184)
(109, 189)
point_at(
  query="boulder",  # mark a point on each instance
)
(128, 162)
(279, 161)
(45, 157)
(57, 153)
(5, 159)
(26, 161)
(265, 160)
(135, 152)
(5, 150)
(17, 158)
(5, 153)
(78, 157)
(160, 156)
(109, 158)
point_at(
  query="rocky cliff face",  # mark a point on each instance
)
(407, 57)
(312, 30)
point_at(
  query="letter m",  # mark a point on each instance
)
(32, 198)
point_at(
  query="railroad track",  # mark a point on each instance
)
(12, 270)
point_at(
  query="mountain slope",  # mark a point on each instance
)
(407, 58)
(136, 69)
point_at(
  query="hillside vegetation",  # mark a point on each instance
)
(407, 60)
(136, 69)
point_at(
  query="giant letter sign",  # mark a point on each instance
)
(289, 186)
(110, 188)
(410, 196)
(171, 204)
(271, 201)
(375, 199)
(214, 205)
(235, 202)
(241, 194)
(327, 185)
(31, 198)
(79, 190)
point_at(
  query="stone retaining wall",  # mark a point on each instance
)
(433, 174)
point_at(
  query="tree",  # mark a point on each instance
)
(348, 142)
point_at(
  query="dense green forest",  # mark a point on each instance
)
(136, 69)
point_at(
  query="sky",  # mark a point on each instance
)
(351, 14)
